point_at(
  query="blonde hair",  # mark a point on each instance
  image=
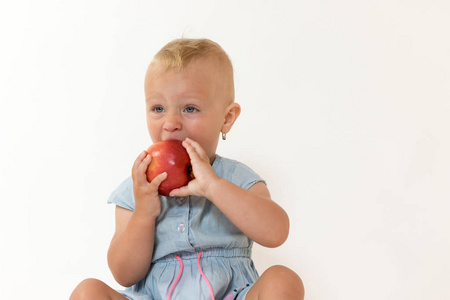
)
(179, 53)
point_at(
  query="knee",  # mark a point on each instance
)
(88, 289)
(287, 282)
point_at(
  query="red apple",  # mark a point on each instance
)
(169, 156)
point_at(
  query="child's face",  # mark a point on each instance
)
(188, 103)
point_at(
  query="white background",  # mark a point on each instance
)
(346, 109)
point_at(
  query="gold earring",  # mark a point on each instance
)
(224, 136)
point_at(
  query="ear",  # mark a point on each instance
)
(231, 114)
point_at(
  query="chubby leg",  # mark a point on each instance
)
(277, 282)
(93, 289)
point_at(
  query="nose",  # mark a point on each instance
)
(172, 122)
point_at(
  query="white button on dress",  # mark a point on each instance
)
(181, 227)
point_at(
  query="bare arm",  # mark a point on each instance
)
(131, 250)
(252, 211)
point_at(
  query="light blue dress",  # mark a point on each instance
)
(191, 226)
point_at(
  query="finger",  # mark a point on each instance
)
(180, 192)
(190, 149)
(198, 148)
(136, 164)
(154, 185)
(194, 150)
(142, 168)
(140, 171)
(139, 159)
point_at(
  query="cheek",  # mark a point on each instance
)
(207, 137)
(152, 129)
(207, 131)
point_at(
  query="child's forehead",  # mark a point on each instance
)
(208, 67)
(211, 69)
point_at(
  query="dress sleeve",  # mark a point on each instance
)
(244, 176)
(123, 195)
(236, 172)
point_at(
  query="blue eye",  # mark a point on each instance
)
(158, 109)
(190, 109)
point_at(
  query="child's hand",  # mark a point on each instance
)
(145, 193)
(203, 172)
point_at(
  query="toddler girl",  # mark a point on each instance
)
(195, 243)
